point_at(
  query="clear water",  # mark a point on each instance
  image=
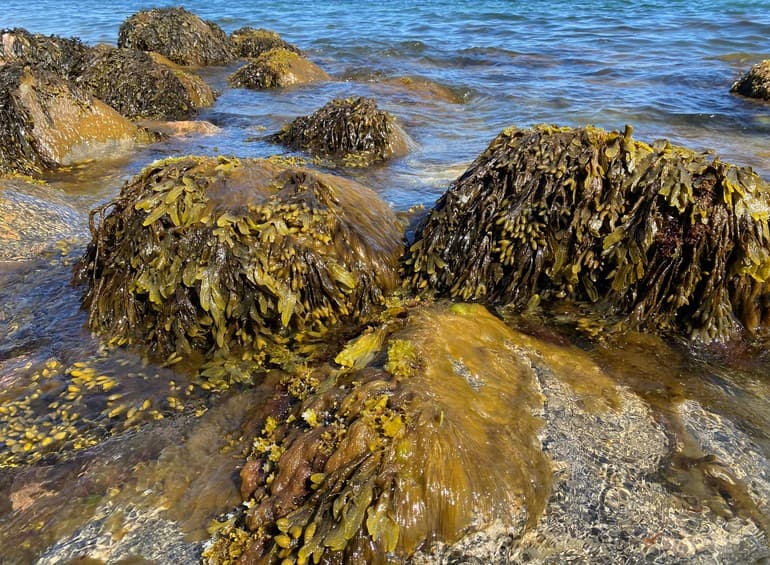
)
(665, 67)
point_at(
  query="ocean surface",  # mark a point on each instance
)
(665, 67)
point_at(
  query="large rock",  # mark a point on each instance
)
(755, 83)
(228, 257)
(277, 68)
(352, 131)
(420, 440)
(251, 43)
(56, 54)
(654, 237)
(47, 122)
(32, 218)
(139, 85)
(177, 34)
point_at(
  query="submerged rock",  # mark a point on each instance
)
(46, 122)
(138, 86)
(55, 54)
(755, 83)
(226, 256)
(426, 433)
(250, 42)
(177, 34)
(352, 131)
(277, 68)
(664, 238)
(33, 218)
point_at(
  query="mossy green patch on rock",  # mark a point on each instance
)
(755, 83)
(351, 131)
(138, 86)
(432, 438)
(178, 34)
(250, 42)
(277, 68)
(63, 56)
(236, 258)
(47, 122)
(664, 237)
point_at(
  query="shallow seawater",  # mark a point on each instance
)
(664, 67)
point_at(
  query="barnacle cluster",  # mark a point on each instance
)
(138, 86)
(278, 67)
(755, 83)
(177, 34)
(238, 258)
(250, 42)
(352, 131)
(426, 433)
(665, 238)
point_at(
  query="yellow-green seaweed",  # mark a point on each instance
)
(432, 439)
(236, 260)
(665, 238)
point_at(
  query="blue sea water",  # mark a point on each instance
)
(663, 66)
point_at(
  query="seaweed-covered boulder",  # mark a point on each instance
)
(423, 88)
(47, 122)
(353, 131)
(220, 256)
(276, 68)
(177, 34)
(662, 237)
(59, 55)
(138, 86)
(427, 434)
(33, 217)
(250, 42)
(755, 83)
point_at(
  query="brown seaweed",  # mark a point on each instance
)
(60, 55)
(665, 238)
(278, 67)
(236, 260)
(352, 131)
(250, 42)
(755, 83)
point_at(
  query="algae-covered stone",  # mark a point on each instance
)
(46, 122)
(352, 131)
(178, 34)
(63, 56)
(426, 434)
(667, 239)
(277, 68)
(138, 86)
(223, 255)
(250, 42)
(755, 83)
(32, 218)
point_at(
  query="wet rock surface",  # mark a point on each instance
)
(352, 131)
(755, 83)
(177, 34)
(277, 68)
(46, 122)
(138, 86)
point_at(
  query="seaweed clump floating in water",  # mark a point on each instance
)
(424, 435)
(353, 131)
(250, 42)
(177, 34)
(236, 259)
(755, 83)
(666, 239)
